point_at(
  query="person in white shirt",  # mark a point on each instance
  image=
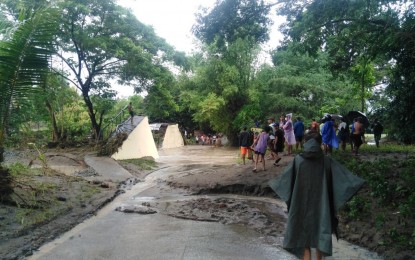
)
(343, 134)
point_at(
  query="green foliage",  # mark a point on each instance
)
(363, 74)
(28, 217)
(106, 42)
(302, 84)
(74, 121)
(89, 191)
(232, 20)
(17, 169)
(119, 112)
(112, 145)
(41, 157)
(143, 163)
(388, 198)
(159, 104)
(380, 220)
(24, 62)
(218, 92)
(357, 208)
(389, 148)
(352, 32)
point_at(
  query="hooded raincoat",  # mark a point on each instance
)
(329, 134)
(314, 187)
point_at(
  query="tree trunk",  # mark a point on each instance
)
(363, 93)
(95, 126)
(56, 133)
(1, 153)
(5, 184)
(2, 139)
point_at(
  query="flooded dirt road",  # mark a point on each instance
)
(201, 203)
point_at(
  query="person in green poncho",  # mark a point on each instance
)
(314, 187)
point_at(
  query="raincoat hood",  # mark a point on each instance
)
(312, 150)
(315, 187)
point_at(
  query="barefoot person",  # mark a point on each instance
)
(261, 147)
(315, 187)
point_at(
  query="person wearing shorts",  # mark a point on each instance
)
(357, 133)
(261, 144)
(279, 144)
(299, 133)
(244, 143)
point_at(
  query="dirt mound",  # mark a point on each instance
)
(268, 219)
(235, 179)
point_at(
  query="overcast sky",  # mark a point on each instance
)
(173, 20)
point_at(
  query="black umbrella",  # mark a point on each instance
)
(332, 116)
(336, 117)
(355, 114)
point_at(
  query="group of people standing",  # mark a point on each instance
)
(355, 136)
(312, 216)
(286, 133)
(207, 139)
(274, 137)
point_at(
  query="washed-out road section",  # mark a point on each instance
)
(114, 234)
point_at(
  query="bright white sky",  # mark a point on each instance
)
(173, 21)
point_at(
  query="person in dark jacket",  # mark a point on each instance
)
(299, 133)
(377, 131)
(314, 187)
(244, 142)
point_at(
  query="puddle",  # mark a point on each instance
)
(138, 198)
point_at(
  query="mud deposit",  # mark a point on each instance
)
(195, 183)
(47, 202)
(268, 219)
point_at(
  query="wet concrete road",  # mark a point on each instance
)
(116, 235)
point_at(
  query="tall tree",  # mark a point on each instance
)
(100, 40)
(230, 20)
(302, 84)
(349, 30)
(231, 32)
(364, 77)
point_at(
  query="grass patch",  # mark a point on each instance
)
(387, 201)
(143, 163)
(388, 148)
(29, 217)
(89, 191)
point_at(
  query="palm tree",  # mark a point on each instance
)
(24, 54)
(24, 60)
